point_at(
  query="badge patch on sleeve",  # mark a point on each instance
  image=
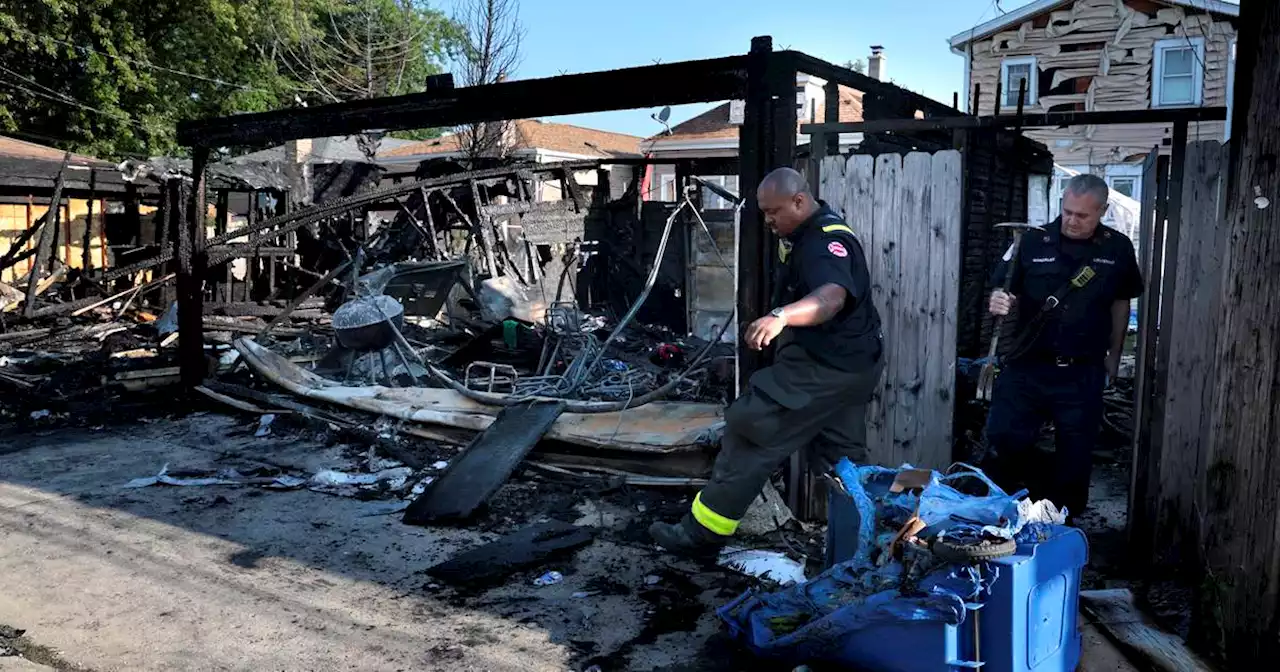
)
(838, 249)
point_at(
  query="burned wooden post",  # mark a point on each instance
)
(46, 240)
(191, 262)
(86, 254)
(761, 148)
(1239, 580)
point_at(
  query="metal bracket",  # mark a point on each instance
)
(492, 379)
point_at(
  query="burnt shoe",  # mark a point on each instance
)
(687, 538)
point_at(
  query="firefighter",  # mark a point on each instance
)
(1073, 284)
(827, 362)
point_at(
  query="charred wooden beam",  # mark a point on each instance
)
(679, 83)
(889, 96)
(45, 246)
(191, 263)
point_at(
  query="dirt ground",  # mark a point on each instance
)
(102, 577)
(236, 578)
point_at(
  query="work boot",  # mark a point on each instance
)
(687, 538)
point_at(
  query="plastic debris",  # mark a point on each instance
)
(420, 487)
(579, 596)
(264, 425)
(549, 579)
(168, 323)
(770, 565)
(223, 477)
(287, 483)
(330, 478)
(614, 365)
(652, 580)
(439, 465)
(41, 414)
(1042, 511)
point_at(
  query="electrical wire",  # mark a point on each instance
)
(120, 116)
(83, 49)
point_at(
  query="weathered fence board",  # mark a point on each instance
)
(945, 226)
(907, 215)
(1179, 492)
(885, 225)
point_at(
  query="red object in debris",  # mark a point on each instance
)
(667, 353)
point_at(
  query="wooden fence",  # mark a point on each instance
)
(907, 213)
(1184, 292)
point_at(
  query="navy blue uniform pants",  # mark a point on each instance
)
(1026, 396)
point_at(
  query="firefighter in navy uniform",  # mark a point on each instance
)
(826, 365)
(1073, 284)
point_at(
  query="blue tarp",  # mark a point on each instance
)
(811, 621)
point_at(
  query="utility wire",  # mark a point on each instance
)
(134, 61)
(67, 101)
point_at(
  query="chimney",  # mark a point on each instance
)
(876, 64)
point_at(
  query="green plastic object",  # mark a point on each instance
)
(509, 330)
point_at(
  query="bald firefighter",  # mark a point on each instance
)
(827, 362)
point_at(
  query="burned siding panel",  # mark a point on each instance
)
(997, 170)
(1097, 55)
(712, 287)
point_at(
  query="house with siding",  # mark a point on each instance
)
(1104, 55)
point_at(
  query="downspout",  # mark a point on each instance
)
(968, 85)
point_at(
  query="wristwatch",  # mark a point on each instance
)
(777, 312)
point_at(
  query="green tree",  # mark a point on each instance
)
(113, 77)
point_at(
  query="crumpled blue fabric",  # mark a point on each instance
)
(811, 621)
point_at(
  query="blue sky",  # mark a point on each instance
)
(588, 35)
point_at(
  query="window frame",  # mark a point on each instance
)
(1197, 45)
(1231, 88)
(1009, 93)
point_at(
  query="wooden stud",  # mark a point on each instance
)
(191, 262)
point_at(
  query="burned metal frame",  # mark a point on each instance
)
(765, 79)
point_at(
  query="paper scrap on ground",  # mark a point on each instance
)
(770, 565)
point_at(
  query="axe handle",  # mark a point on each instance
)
(1008, 282)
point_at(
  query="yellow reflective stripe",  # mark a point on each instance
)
(837, 227)
(712, 520)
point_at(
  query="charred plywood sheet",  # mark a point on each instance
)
(654, 428)
(542, 223)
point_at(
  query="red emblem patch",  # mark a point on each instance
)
(837, 249)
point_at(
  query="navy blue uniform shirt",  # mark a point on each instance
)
(823, 250)
(1081, 326)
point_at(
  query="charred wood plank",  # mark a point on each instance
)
(306, 294)
(45, 247)
(484, 465)
(518, 551)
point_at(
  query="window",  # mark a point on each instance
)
(711, 201)
(667, 188)
(1231, 90)
(1124, 185)
(1178, 73)
(1013, 71)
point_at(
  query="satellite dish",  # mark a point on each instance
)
(665, 114)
